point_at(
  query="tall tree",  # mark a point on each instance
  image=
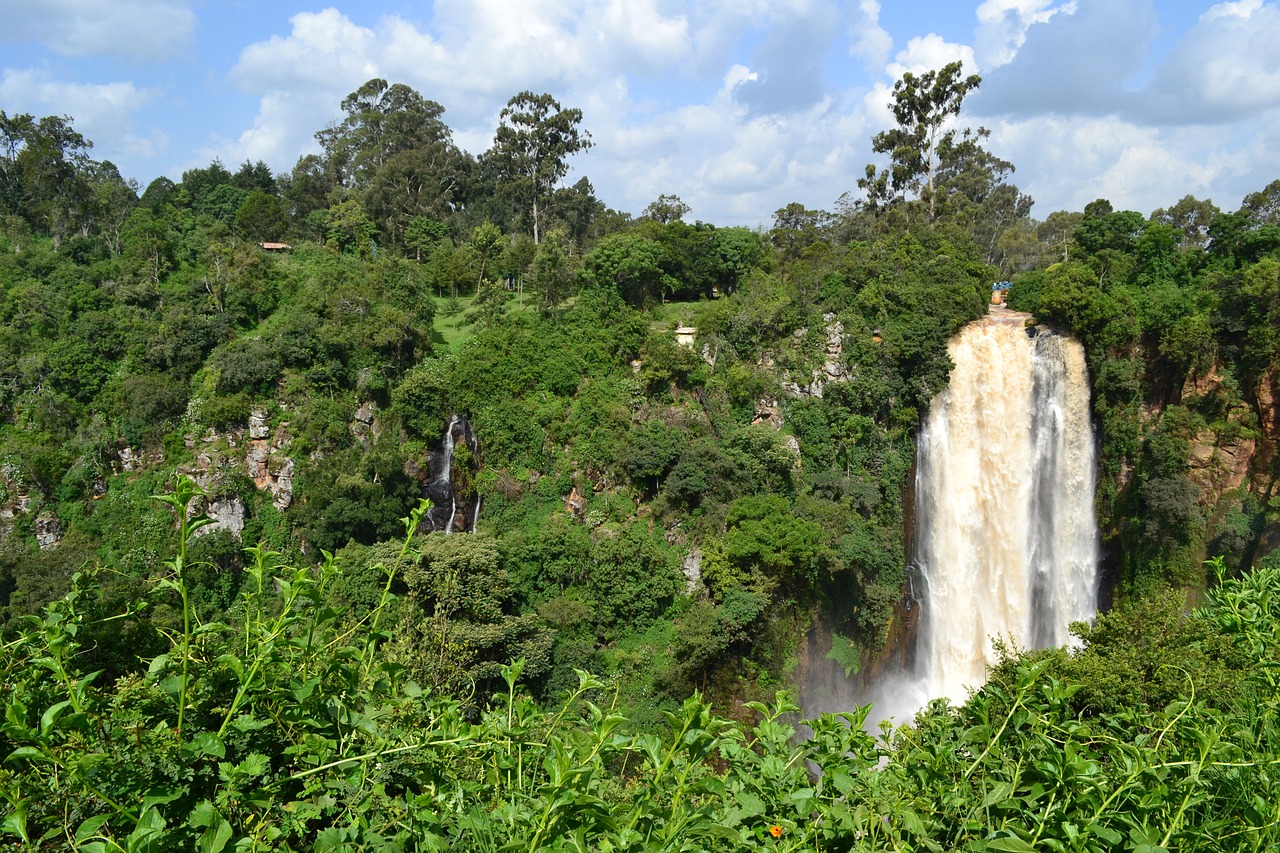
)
(382, 120)
(42, 173)
(921, 106)
(667, 208)
(1192, 217)
(114, 200)
(534, 140)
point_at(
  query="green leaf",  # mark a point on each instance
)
(218, 831)
(750, 804)
(15, 823)
(1106, 834)
(254, 765)
(208, 743)
(302, 690)
(726, 832)
(1000, 792)
(30, 753)
(89, 828)
(150, 801)
(50, 717)
(1011, 844)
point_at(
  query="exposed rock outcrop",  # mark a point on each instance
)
(48, 530)
(832, 369)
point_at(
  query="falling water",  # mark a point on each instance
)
(441, 487)
(1005, 541)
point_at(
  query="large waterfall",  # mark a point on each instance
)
(1005, 543)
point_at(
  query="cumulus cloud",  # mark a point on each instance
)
(790, 62)
(1225, 68)
(753, 115)
(1074, 62)
(926, 53)
(1002, 27)
(135, 30)
(101, 112)
(868, 40)
(1136, 167)
(1091, 60)
(730, 104)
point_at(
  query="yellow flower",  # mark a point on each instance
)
(775, 831)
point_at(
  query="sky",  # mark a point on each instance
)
(738, 107)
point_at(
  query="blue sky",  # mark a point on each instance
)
(737, 106)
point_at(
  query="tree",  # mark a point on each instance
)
(348, 228)
(973, 191)
(1192, 217)
(633, 265)
(43, 165)
(308, 186)
(423, 234)
(486, 242)
(921, 106)
(1263, 206)
(382, 120)
(261, 216)
(668, 208)
(198, 184)
(254, 176)
(584, 215)
(416, 182)
(534, 140)
(114, 199)
(550, 274)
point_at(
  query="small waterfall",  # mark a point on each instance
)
(1005, 542)
(443, 484)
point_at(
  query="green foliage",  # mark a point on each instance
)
(534, 139)
(285, 728)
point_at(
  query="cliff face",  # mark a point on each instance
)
(1231, 436)
(1224, 459)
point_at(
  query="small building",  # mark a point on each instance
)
(275, 247)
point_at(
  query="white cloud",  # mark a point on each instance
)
(103, 113)
(1240, 9)
(1075, 160)
(1075, 62)
(1002, 27)
(1225, 68)
(870, 42)
(790, 62)
(134, 30)
(926, 53)
(671, 105)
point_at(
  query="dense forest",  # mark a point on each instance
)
(418, 500)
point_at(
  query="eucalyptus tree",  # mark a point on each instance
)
(922, 107)
(43, 164)
(382, 120)
(531, 147)
(395, 152)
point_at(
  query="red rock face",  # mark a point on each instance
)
(1242, 459)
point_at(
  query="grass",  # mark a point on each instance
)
(451, 332)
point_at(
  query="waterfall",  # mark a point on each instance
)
(454, 509)
(1005, 542)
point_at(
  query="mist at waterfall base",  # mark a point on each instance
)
(1005, 541)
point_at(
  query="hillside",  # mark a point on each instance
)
(672, 455)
